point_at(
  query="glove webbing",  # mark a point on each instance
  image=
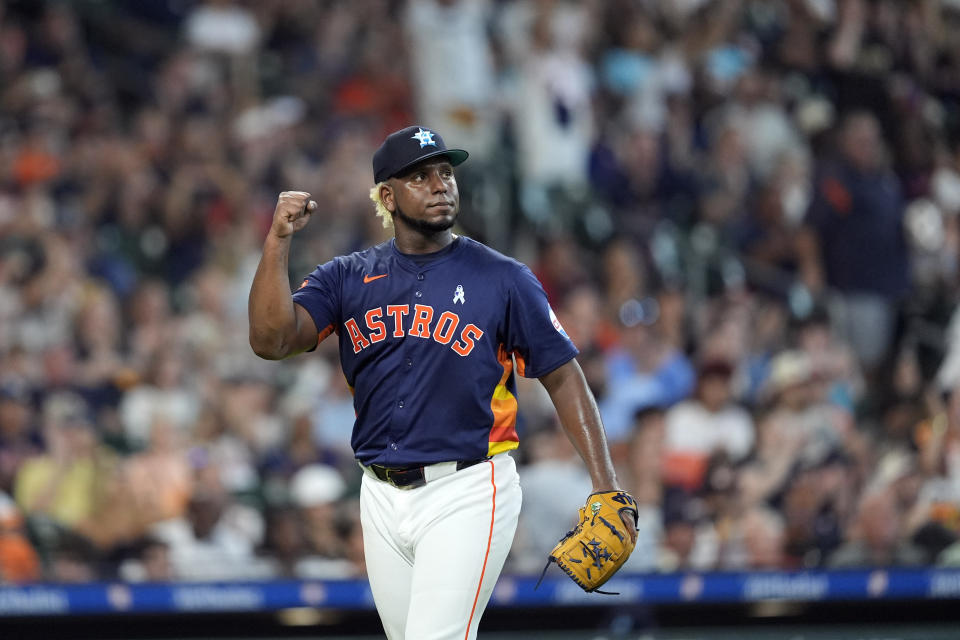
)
(593, 554)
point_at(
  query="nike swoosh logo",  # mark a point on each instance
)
(367, 279)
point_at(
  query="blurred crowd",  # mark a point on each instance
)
(744, 212)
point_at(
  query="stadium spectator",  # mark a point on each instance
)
(798, 406)
(162, 392)
(766, 336)
(705, 424)
(765, 474)
(216, 538)
(73, 560)
(157, 482)
(756, 541)
(148, 562)
(816, 505)
(19, 438)
(625, 278)
(832, 360)
(858, 203)
(18, 559)
(876, 537)
(642, 371)
(691, 541)
(316, 490)
(552, 110)
(937, 499)
(285, 542)
(67, 482)
(452, 71)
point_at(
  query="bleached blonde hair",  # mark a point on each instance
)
(385, 216)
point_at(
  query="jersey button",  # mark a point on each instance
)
(418, 294)
(420, 276)
(409, 362)
(400, 404)
(393, 445)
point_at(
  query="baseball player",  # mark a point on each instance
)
(432, 327)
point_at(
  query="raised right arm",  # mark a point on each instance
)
(278, 327)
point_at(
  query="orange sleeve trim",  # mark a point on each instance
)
(323, 334)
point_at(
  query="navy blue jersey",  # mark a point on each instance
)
(429, 350)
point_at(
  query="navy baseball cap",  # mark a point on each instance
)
(405, 148)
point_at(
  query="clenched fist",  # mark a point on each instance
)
(293, 212)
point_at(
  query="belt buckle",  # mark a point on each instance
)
(388, 476)
(395, 477)
(381, 473)
(410, 484)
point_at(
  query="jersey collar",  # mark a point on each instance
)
(443, 255)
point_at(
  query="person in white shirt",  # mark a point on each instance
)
(707, 422)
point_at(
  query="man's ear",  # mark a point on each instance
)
(386, 196)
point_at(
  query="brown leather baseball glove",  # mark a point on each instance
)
(600, 543)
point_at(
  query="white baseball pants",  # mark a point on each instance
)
(434, 553)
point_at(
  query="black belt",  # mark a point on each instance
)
(412, 477)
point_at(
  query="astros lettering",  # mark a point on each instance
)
(381, 323)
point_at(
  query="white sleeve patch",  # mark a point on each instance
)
(556, 323)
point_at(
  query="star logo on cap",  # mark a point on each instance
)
(424, 137)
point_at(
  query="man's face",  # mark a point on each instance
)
(425, 198)
(863, 143)
(715, 392)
